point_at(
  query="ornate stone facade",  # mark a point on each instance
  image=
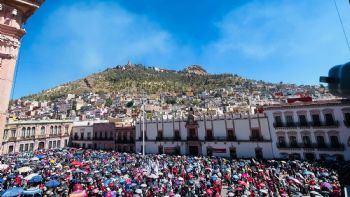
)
(13, 14)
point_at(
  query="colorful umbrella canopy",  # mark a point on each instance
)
(15, 191)
(24, 169)
(78, 194)
(52, 184)
(36, 179)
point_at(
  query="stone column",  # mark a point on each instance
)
(13, 13)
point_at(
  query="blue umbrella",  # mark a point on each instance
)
(1, 180)
(15, 191)
(40, 156)
(52, 184)
(36, 179)
(32, 191)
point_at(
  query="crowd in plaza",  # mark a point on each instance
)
(77, 172)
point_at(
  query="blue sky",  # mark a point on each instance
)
(272, 40)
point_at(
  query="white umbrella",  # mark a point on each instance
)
(3, 166)
(30, 176)
(138, 191)
(34, 159)
(24, 169)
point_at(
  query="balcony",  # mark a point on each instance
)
(332, 124)
(209, 138)
(347, 123)
(192, 138)
(330, 147)
(231, 138)
(41, 136)
(285, 125)
(159, 138)
(11, 139)
(291, 146)
(140, 138)
(103, 138)
(256, 138)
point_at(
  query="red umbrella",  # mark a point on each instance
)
(76, 163)
(209, 191)
(77, 187)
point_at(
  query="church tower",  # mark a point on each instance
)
(13, 14)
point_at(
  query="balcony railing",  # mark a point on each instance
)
(103, 138)
(41, 136)
(256, 138)
(231, 138)
(209, 138)
(192, 138)
(331, 147)
(11, 139)
(159, 138)
(140, 138)
(347, 123)
(282, 125)
(312, 146)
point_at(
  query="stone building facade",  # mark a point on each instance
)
(125, 138)
(227, 136)
(22, 136)
(315, 130)
(13, 14)
(104, 136)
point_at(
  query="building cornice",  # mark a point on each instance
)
(317, 104)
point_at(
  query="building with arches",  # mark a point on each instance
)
(312, 130)
(21, 136)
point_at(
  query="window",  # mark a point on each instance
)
(302, 120)
(306, 141)
(33, 131)
(289, 120)
(28, 132)
(255, 134)
(192, 132)
(347, 118)
(281, 141)
(54, 144)
(159, 134)
(58, 143)
(55, 131)
(50, 144)
(233, 153)
(160, 149)
(65, 143)
(316, 120)
(177, 134)
(209, 134)
(329, 119)
(278, 121)
(66, 129)
(320, 141)
(81, 136)
(23, 132)
(42, 130)
(31, 147)
(334, 141)
(106, 135)
(293, 141)
(26, 147)
(51, 130)
(230, 134)
(13, 133)
(259, 153)
(88, 136)
(5, 134)
(21, 146)
(59, 130)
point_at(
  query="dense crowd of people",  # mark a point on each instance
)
(79, 173)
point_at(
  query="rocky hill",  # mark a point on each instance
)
(133, 79)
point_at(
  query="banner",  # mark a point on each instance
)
(170, 150)
(219, 150)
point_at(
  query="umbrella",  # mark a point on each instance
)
(15, 191)
(308, 173)
(40, 156)
(138, 191)
(36, 179)
(153, 176)
(32, 191)
(52, 184)
(78, 194)
(76, 163)
(30, 176)
(3, 166)
(35, 159)
(326, 185)
(24, 169)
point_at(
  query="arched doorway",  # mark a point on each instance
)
(41, 145)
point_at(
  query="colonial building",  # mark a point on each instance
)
(314, 130)
(13, 14)
(125, 138)
(82, 134)
(227, 136)
(22, 136)
(104, 136)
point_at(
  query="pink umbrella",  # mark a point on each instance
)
(245, 175)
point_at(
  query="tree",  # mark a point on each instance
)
(130, 104)
(108, 102)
